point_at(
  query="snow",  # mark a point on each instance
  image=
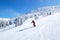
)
(47, 28)
(4, 19)
(20, 19)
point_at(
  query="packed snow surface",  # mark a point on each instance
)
(47, 28)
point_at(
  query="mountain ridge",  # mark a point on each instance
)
(19, 20)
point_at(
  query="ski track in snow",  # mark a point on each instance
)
(25, 29)
(48, 28)
(6, 29)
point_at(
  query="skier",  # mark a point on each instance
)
(33, 23)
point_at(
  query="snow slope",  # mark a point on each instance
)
(47, 28)
(20, 19)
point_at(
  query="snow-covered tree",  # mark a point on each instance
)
(10, 22)
(2, 24)
(18, 21)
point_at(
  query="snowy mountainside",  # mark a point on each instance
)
(47, 28)
(4, 22)
(19, 20)
(4, 19)
(45, 10)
